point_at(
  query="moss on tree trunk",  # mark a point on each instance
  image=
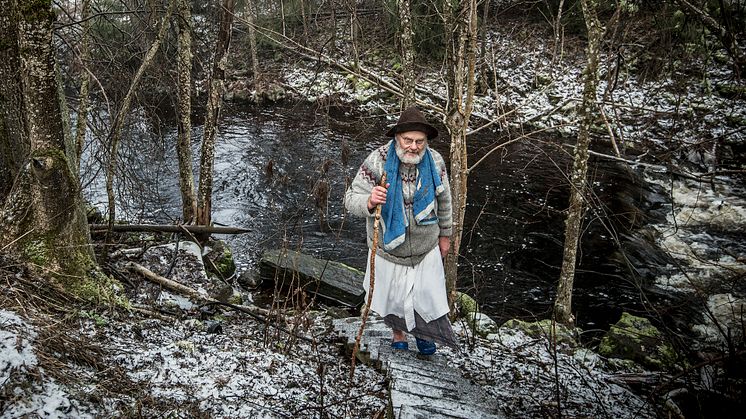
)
(43, 220)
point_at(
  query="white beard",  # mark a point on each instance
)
(409, 158)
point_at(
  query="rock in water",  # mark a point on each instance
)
(329, 280)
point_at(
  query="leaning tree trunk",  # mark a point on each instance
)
(42, 221)
(184, 144)
(214, 98)
(578, 182)
(116, 130)
(461, 66)
(407, 54)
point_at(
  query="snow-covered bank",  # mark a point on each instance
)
(525, 374)
(706, 224)
(26, 389)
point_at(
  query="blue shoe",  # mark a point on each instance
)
(401, 345)
(426, 347)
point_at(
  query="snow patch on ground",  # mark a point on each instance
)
(519, 371)
(16, 351)
(26, 389)
(234, 374)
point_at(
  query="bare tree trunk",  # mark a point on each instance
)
(354, 33)
(578, 183)
(184, 145)
(483, 31)
(305, 21)
(116, 130)
(14, 146)
(461, 67)
(85, 55)
(43, 220)
(407, 54)
(252, 39)
(558, 37)
(333, 40)
(214, 99)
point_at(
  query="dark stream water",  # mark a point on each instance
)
(268, 163)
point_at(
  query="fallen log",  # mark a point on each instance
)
(186, 291)
(256, 312)
(170, 228)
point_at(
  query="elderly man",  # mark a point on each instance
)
(410, 289)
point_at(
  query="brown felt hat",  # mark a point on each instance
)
(412, 120)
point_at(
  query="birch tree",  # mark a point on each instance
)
(42, 221)
(215, 88)
(184, 144)
(578, 181)
(460, 20)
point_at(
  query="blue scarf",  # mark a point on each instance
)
(393, 215)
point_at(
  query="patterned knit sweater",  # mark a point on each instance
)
(419, 239)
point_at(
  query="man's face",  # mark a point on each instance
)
(410, 146)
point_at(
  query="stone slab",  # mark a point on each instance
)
(332, 281)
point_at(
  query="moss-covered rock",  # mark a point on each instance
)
(465, 303)
(480, 323)
(542, 329)
(219, 259)
(236, 298)
(635, 338)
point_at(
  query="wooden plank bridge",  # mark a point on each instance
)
(419, 386)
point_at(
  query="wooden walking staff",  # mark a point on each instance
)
(372, 284)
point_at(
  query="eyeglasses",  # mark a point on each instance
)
(406, 141)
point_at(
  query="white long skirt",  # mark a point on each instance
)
(401, 290)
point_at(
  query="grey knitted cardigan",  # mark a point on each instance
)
(419, 239)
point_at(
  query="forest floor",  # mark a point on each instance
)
(62, 357)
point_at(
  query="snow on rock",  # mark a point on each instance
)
(700, 223)
(724, 319)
